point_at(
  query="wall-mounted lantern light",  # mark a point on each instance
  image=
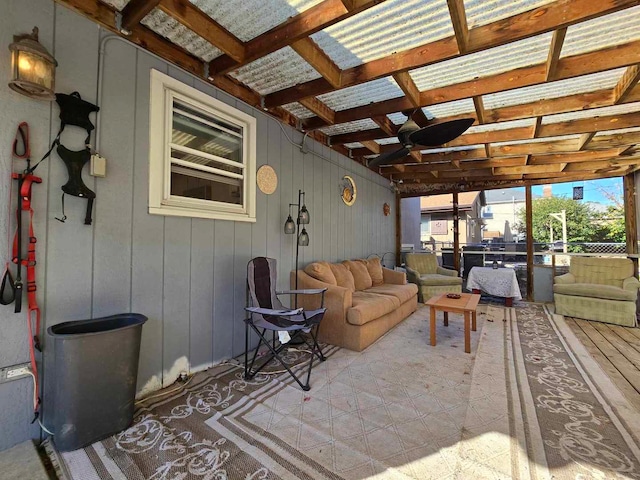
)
(33, 67)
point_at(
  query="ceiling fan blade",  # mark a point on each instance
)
(440, 133)
(388, 158)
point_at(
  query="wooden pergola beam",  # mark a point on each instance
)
(320, 61)
(557, 40)
(386, 125)
(135, 11)
(408, 86)
(319, 108)
(459, 22)
(558, 14)
(202, 24)
(303, 25)
(626, 84)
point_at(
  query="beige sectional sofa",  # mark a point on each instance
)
(363, 300)
(596, 288)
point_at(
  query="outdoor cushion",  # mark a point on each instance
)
(422, 262)
(344, 278)
(401, 292)
(321, 271)
(375, 270)
(370, 306)
(361, 276)
(595, 291)
(601, 271)
(437, 279)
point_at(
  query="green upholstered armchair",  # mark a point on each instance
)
(598, 288)
(432, 279)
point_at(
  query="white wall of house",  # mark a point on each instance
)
(502, 214)
(187, 275)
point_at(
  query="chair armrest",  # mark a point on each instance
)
(446, 271)
(270, 311)
(413, 276)
(393, 277)
(306, 291)
(566, 278)
(631, 283)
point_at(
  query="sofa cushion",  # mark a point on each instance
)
(344, 278)
(375, 271)
(361, 276)
(433, 279)
(595, 291)
(422, 262)
(370, 306)
(401, 292)
(321, 271)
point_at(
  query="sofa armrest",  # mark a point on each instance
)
(446, 271)
(566, 278)
(631, 283)
(337, 301)
(393, 277)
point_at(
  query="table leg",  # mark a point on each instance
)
(508, 302)
(467, 333)
(433, 326)
(446, 319)
(473, 320)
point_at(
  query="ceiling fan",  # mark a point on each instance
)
(433, 135)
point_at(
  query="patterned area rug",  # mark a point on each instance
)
(520, 406)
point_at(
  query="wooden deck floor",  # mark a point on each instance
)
(617, 350)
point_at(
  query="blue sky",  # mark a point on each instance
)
(592, 189)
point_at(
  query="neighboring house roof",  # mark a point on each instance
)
(505, 195)
(444, 203)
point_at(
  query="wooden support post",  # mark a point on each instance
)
(456, 233)
(398, 230)
(630, 219)
(529, 227)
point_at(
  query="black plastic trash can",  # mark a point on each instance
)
(93, 379)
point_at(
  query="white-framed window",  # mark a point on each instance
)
(202, 154)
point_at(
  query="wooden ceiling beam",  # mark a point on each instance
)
(408, 86)
(568, 67)
(558, 14)
(386, 125)
(135, 11)
(525, 169)
(320, 61)
(451, 165)
(557, 40)
(626, 84)
(459, 21)
(584, 140)
(320, 109)
(372, 146)
(203, 25)
(588, 125)
(573, 157)
(479, 106)
(303, 25)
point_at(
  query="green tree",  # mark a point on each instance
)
(611, 226)
(581, 224)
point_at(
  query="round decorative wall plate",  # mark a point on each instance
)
(349, 190)
(267, 179)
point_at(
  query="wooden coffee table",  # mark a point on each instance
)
(466, 305)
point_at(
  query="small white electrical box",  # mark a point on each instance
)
(98, 166)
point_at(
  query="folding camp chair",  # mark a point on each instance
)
(266, 312)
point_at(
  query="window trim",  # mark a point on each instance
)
(163, 90)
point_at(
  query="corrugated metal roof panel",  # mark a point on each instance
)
(392, 26)
(388, 141)
(601, 32)
(530, 51)
(592, 113)
(461, 148)
(353, 145)
(298, 110)
(492, 127)
(439, 111)
(375, 91)
(281, 69)
(247, 19)
(562, 88)
(366, 124)
(118, 4)
(164, 25)
(536, 140)
(619, 131)
(482, 12)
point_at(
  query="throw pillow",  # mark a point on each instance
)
(361, 276)
(321, 271)
(344, 278)
(375, 270)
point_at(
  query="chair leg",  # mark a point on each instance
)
(248, 370)
(316, 348)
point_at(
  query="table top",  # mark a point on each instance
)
(466, 302)
(501, 282)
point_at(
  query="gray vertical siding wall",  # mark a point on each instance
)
(186, 275)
